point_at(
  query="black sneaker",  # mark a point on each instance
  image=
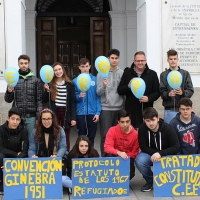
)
(1, 190)
(147, 187)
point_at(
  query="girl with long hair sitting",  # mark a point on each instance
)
(48, 139)
(81, 149)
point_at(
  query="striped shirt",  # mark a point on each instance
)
(61, 95)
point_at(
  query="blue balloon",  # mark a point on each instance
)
(11, 76)
(174, 79)
(138, 87)
(83, 82)
(102, 65)
(46, 73)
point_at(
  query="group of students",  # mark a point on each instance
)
(47, 140)
(104, 102)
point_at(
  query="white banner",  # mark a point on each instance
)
(181, 31)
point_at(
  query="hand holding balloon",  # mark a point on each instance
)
(10, 89)
(46, 86)
(179, 91)
(144, 99)
(105, 82)
(82, 94)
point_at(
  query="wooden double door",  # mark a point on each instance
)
(67, 44)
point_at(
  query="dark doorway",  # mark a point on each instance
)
(65, 34)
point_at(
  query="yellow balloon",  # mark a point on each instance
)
(105, 68)
(136, 84)
(82, 84)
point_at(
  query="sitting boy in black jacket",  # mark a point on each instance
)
(13, 139)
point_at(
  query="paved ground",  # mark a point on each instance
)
(136, 183)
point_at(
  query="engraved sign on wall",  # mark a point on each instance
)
(181, 31)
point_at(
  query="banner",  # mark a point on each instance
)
(100, 177)
(177, 175)
(181, 32)
(32, 178)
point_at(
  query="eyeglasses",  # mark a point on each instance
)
(47, 119)
(138, 61)
(185, 109)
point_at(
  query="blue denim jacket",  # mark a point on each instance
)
(61, 144)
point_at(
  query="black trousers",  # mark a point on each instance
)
(2, 156)
(132, 165)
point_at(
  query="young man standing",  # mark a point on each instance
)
(122, 140)
(187, 126)
(13, 139)
(156, 139)
(88, 104)
(111, 101)
(134, 105)
(171, 97)
(27, 94)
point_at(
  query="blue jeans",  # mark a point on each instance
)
(143, 163)
(66, 182)
(29, 124)
(169, 115)
(86, 126)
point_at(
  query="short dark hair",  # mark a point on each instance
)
(171, 52)
(24, 57)
(113, 51)
(185, 102)
(83, 61)
(123, 113)
(139, 53)
(150, 113)
(15, 111)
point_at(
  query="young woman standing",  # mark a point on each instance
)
(60, 94)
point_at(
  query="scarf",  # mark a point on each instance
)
(45, 151)
(23, 73)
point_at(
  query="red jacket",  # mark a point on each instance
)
(116, 141)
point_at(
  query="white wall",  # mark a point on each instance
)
(149, 35)
(14, 34)
(2, 39)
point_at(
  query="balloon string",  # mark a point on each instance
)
(84, 104)
(174, 103)
(142, 106)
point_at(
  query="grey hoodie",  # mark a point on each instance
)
(110, 99)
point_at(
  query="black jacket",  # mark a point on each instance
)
(71, 104)
(12, 143)
(27, 95)
(186, 86)
(132, 104)
(165, 141)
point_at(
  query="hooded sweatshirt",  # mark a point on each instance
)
(188, 134)
(110, 99)
(164, 141)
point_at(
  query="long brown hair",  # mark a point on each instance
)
(52, 85)
(91, 153)
(56, 127)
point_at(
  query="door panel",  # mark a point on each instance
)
(47, 45)
(99, 38)
(69, 54)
